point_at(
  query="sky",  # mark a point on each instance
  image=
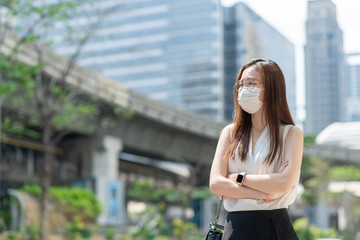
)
(289, 16)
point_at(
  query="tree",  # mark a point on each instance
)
(40, 105)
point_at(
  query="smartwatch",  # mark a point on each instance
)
(241, 178)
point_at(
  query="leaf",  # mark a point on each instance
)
(7, 88)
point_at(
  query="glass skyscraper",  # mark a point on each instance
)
(353, 87)
(182, 52)
(168, 50)
(324, 67)
(248, 36)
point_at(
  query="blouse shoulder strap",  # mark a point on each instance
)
(231, 130)
(286, 130)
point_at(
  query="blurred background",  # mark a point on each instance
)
(111, 111)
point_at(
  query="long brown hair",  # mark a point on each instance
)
(275, 107)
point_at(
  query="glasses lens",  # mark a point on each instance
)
(250, 85)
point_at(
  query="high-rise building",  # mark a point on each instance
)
(174, 51)
(170, 51)
(248, 36)
(324, 67)
(353, 87)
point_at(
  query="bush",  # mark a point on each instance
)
(153, 226)
(110, 232)
(76, 201)
(305, 231)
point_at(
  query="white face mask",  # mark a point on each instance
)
(249, 100)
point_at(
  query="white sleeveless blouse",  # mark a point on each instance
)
(255, 165)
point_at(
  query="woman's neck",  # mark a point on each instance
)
(258, 121)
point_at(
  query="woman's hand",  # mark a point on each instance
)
(232, 177)
(283, 166)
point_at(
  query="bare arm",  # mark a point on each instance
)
(284, 181)
(219, 183)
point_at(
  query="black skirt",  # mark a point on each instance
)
(259, 225)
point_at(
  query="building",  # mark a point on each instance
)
(248, 36)
(174, 51)
(324, 67)
(353, 87)
(168, 50)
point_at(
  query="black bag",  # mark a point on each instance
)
(216, 231)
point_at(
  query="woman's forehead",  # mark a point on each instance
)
(251, 73)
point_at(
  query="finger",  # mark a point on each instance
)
(285, 163)
(282, 168)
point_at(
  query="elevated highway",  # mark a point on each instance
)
(155, 131)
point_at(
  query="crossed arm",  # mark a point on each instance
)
(257, 186)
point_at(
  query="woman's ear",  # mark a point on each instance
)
(262, 94)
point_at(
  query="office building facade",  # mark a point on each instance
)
(324, 67)
(248, 36)
(170, 51)
(178, 52)
(353, 87)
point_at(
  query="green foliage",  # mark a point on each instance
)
(317, 179)
(73, 113)
(309, 140)
(202, 193)
(42, 102)
(123, 113)
(32, 189)
(305, 231)
(17, 77)
(75, 202)
(110, 232)
(14, 236)
(32, 231)
(5, 217)
(345, 173)
(2, 224)
(145, 190)
(77, 229)
(153, 226)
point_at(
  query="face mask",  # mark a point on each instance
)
(249, 100)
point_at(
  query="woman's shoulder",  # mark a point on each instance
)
(293, 130)
(228, 129)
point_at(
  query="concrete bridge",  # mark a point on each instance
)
(155, 131)
(339, 142)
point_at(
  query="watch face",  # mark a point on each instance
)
(239, 178)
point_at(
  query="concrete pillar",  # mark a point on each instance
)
(108, 187)
(207, 213)
(322, 214)
(30, 163)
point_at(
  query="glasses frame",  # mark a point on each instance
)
(251, 81)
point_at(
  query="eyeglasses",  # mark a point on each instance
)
(248, 84)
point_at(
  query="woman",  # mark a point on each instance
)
(256, 167)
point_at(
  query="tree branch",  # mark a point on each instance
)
(72, 94)
(83, 41)
(56, 139)
(23, 38)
